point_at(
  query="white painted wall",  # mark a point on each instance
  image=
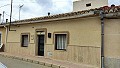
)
(81, 4)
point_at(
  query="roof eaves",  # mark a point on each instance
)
(85, 13)
(60, 18)
(113, 15)
(55, 16)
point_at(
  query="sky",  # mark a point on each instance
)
(37, 8)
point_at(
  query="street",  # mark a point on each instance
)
(14, 63)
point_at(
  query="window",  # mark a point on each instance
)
(60, 41)
(88, 5)
(24, 41)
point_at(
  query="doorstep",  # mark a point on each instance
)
(45, 61)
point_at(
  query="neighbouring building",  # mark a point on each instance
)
(80, 5)
(88, 37)
(2, 37)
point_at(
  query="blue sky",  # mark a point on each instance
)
(37, 8)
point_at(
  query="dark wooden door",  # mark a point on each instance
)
(41, 45)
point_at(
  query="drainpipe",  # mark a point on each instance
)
(102, 38)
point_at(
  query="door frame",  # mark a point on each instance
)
(36, 41)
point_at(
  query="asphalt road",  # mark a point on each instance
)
(14, 63)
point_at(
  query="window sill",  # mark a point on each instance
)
(24, 46)
(60, 49)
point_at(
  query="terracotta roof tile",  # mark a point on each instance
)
(106, 10)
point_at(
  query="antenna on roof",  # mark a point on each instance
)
(20, 6)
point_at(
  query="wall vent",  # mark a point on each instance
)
(88, 5)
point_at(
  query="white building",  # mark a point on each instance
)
(80, 5)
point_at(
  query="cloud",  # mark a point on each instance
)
(25, 9)
(45, 3)
(116, 2)
(36, 8)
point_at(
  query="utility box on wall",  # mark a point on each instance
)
(49, 53)
(81, 5)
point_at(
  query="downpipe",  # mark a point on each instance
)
(102, 39)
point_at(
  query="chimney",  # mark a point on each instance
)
(0, 18)
(48, 13)
(112, 5)
(6, 20)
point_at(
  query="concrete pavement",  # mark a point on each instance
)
(14, 63)
(45, 61)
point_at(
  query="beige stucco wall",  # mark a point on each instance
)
(112, 43)
(84, 40)
(112, 38)
(81, 4)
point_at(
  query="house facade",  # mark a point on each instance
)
(61, 40)
(75, 40)
(88, 37)
(74, 37)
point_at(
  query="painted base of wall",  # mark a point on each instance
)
(112, 62)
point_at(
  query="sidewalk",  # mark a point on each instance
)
(44, 61)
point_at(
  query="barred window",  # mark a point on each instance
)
(60, 41)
